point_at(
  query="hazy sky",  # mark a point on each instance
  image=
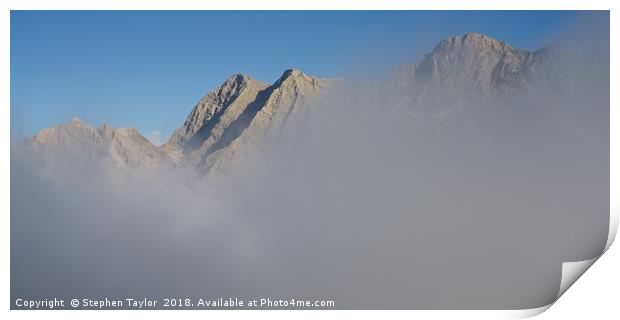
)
(148, 69)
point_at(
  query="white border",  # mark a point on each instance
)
(571, 271)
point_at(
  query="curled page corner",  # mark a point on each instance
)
(572, 271)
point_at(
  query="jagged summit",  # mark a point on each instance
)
(296, 75)
(470, 66)
(241, 108)
(78, 124)
(472, 40)
(123, 147)
(238, 89)
(76, 121)
(229, 89)
(291, 89)
(224, 113)
(250, 118)
(293, 73)
(299, 78)
(236, 79)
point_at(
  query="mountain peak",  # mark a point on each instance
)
(227, 91)
(472, 65)
(474, 36)
(293, 73)
(76, 122)
(237, 78)
(472, 40)
(238, 89)
(230, 87)
(470, 69)
(295, 76)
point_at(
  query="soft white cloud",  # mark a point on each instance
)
(156, 138)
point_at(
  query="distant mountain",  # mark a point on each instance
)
(118, 147)
(474, 64)
(466, 71)
(240, 115)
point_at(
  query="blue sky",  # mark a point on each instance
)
(147, 69)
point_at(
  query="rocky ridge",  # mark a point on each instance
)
(238, 117)
(124, 147)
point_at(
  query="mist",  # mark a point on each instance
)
(357, 202)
